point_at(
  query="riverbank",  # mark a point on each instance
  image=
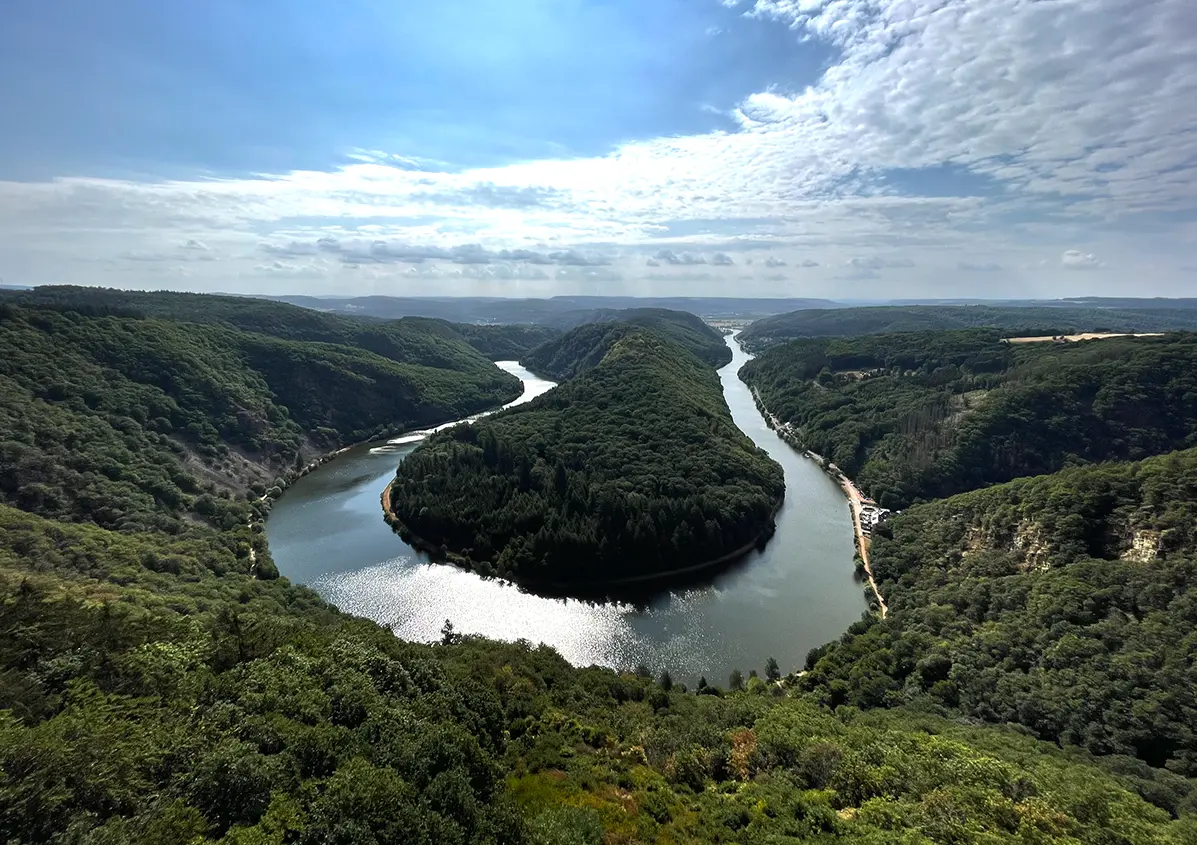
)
(385, 437)
(590, 589)
(856, 499)
(326, 533)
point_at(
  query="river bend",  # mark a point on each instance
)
(800, 592)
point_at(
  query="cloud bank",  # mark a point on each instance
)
(936, 133)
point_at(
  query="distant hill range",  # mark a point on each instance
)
(563, 312)
(1026, 319)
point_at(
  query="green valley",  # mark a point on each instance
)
(159, 683)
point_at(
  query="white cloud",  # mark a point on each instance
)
(877, 262)
(309, 271)
(1070, 118)
(360, 251)
(668, 256)
(1088, 99)
(774, 262)
(1074, 259)
(722, 259)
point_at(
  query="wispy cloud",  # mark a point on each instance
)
(1049, 123)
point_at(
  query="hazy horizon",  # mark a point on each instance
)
(864, 150)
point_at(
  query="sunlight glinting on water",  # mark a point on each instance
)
(416, 599)
(798, 593)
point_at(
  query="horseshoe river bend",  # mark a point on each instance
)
(800, 592)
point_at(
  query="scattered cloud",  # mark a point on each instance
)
(384, 252)
(935, 133)
(668, 256)
(876, 262)
(292, 269)
(1074, 259)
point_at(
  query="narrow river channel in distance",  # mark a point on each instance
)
(800, 592)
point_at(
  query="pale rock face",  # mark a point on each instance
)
(1144, 547)
(1031, 542)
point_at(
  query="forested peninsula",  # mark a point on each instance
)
(914, 416)
(576, 351)
(632, 469)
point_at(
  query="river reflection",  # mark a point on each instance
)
(798, 593)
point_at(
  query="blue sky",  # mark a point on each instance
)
(844, 148)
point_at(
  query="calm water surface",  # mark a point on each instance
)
(800, 592)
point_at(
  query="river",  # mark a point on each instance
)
(800, 592)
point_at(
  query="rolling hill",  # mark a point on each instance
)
(921, 415)
(595, 332)
(1029, 319)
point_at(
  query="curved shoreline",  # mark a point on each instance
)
(846, 485)
(648, 579)
(294, 475)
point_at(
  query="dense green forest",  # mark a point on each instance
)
(159, 685)
(141, 423)
(920, 415)
(584, 347)
(1066, 603)
(433, 343)
(151, 692)
(1024, 321)
(505, 343)
(632, 468)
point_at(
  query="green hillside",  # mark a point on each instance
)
(158, 683)
(632, 468)
(597, 331)
(505, 342)
(1066, 603)
(1024, 321)
(921, 415)
(131, 423)
(434, 343)
(152, 692)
